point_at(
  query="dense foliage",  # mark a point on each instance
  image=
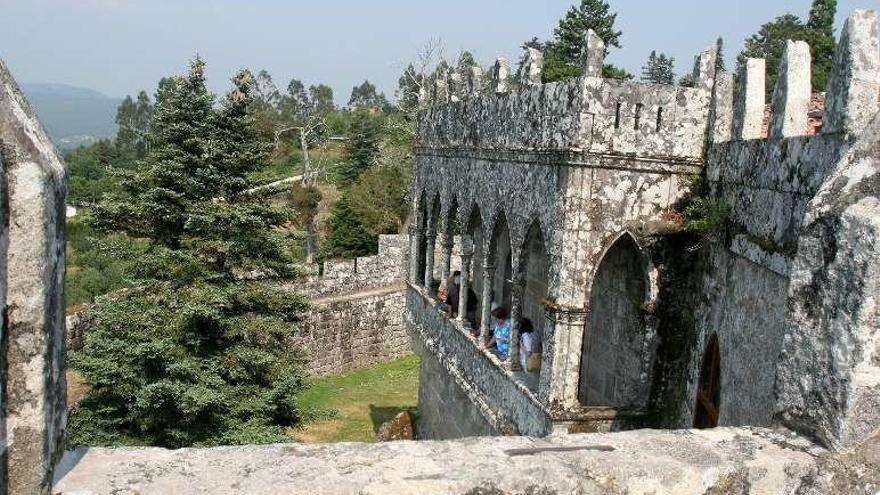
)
(769, 42)
(659, 69)
(196, 353)
(564, 53)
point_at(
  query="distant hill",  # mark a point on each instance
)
(73, 115)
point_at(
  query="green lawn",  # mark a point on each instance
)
(363, 399)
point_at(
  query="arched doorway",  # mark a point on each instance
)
(708, 399)
(613, 344)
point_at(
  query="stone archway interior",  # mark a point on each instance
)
(613, 343)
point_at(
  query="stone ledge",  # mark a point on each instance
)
(662, 462)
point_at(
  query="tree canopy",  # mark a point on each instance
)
(564, 52)
(196, 354)
(659, 69)
(366, 96)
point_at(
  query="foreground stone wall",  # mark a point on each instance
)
(722, 461)
(32, 344)
(446, 411)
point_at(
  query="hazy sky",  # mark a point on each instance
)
(121, 46)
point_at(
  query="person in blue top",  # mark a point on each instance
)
(501, 332)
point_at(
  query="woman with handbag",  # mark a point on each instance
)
(529, 347)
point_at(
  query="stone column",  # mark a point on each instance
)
(534, 66)
(441, 88)
(486, 308)
(415, 241)
(516, 301)
(722, 108)
(467, 254)
(500, 73)
(791, 97)
(594, 55)
(430, 241)
(561, 358)
(475, 82)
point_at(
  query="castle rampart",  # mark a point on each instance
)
(595, 169)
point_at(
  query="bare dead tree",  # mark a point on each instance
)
(415, 83)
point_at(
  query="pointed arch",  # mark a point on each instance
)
(533, 276)
(500, 256)
(612, 356)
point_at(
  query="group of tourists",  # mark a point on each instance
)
(529, 340)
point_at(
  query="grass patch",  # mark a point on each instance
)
(363, 400)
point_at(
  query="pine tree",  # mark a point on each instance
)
(198, 353)
(348, 236)
(665, 69)
(821, 37)
(649, 70)
(563, 54)
(659, 69)
(769, 43)
(569, 36)
(361, 148)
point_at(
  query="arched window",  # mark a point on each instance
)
(613, 344)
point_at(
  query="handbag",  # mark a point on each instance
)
(533, 362)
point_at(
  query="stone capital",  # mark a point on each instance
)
(565, 314)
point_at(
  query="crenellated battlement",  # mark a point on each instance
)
(851, 99)
(586, 114)
(605, 116)
(768, 178)
(568, 198)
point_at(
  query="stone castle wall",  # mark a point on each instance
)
(597, 163)
(357, 318)
(33, 189)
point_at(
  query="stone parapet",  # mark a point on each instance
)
(506, 404)
(670, 462)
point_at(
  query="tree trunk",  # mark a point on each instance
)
(307, 164)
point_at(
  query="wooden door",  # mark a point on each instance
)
(708, 387)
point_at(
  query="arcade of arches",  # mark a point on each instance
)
(492, 267)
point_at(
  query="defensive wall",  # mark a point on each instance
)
(357, 316)
(567, 199)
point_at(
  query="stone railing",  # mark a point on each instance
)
(504, 399)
